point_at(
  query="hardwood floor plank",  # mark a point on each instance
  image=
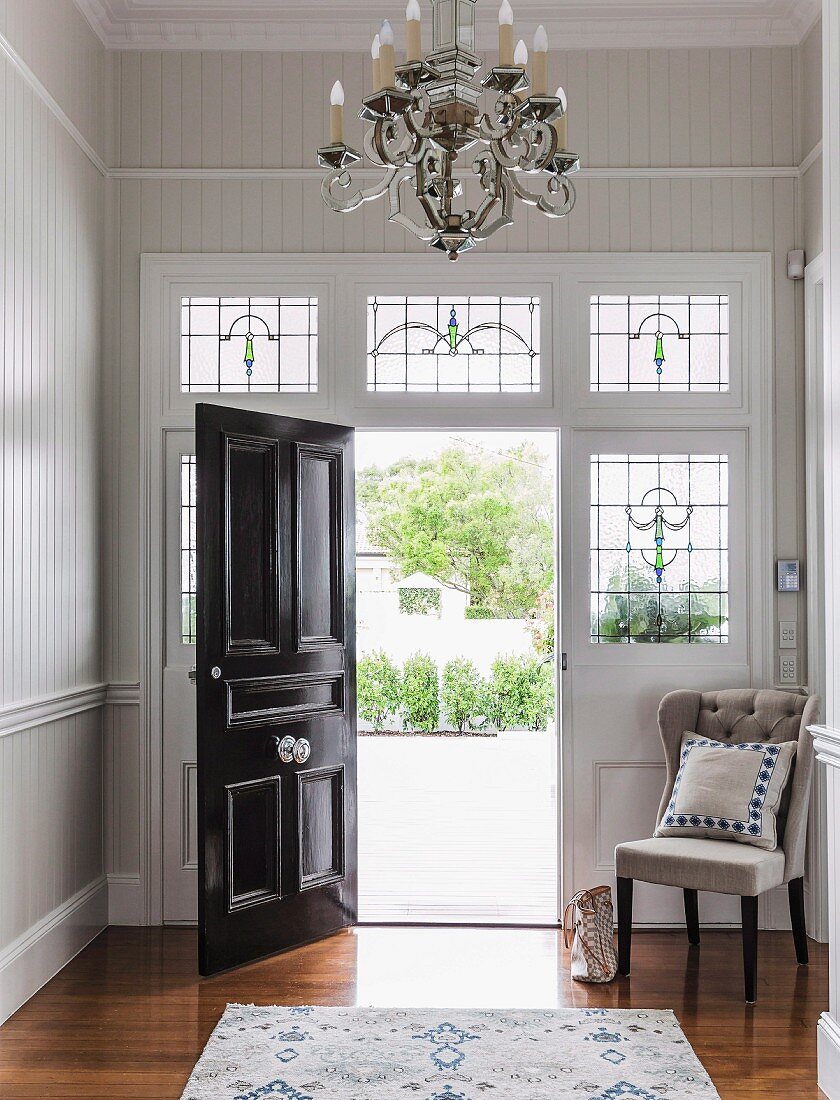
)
(128, 1018)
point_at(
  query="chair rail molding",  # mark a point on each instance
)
(827, 746)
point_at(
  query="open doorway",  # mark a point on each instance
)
(457, 676)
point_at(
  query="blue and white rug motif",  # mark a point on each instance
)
(306, 1053)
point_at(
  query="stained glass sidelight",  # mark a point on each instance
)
(188, 512)
(249, 345)
(668, 343)
(453, 344)
(659, 548)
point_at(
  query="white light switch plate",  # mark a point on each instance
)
(788, 669)
(787, 635)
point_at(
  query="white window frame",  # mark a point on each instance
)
(517, 282)
(742, 278)
(565, 404)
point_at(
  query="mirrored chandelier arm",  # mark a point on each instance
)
(555, 185)
(343, 179)
(424, 232)
(498, 194)
(505, 122)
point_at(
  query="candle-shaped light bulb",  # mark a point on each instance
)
(560, 124)
(520, 54)
(386, 55)
(413, 44)
(506, 34)
(539, 75)
(337, 114)
(374, 54)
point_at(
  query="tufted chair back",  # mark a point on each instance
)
(748, 714)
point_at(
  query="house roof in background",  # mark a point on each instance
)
(349, 24)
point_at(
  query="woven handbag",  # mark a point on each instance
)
(588, 929)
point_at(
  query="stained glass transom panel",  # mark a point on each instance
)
(187, 525)
(659, 548)
(453, 344)
(249, 345)
(666, 343)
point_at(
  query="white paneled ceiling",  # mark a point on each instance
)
(348, 24)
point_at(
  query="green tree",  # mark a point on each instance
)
(462, 693)
(520, 693)
(420, 698)
(379, 688)
(479, 522)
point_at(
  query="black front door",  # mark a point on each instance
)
(276, 683)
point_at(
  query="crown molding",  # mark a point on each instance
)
(345, 25)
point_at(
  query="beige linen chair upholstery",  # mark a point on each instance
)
(724, 866)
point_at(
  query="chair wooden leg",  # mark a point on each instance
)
(624, 890)
(749, 935)
(692, 918)
(796, 897)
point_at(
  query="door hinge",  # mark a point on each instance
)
(564, 662)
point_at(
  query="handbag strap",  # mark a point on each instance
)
(571, 911)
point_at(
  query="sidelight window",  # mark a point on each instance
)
(188, 517)
(659, 548)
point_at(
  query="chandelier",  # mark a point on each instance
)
(425, 113)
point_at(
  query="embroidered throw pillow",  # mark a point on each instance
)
(727, 791)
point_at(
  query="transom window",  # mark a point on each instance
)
(659, 548)
(249, 345)
(666, 343)
(453, 344)
(187, 544)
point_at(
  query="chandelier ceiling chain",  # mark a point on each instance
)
(425, 113)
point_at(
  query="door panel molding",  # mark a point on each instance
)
(271, 806)
(259, 580)
(311, 550)
(302, 699)
(334, 871)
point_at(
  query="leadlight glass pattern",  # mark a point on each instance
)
(454, 344)
(659, 343)
(187, 531)
(249, 345)
(659, 548)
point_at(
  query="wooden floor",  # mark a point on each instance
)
(129, 1016)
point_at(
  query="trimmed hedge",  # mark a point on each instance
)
(420, 698)
(519, 693)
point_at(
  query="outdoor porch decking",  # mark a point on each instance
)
(458, 828)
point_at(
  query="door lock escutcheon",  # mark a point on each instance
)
(216, 672)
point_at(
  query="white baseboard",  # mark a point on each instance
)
(33, 958)
(125, 900)
(828, 1056)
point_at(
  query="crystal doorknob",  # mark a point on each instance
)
(286, 749)
(302, 751)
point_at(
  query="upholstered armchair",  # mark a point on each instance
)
(733, 716)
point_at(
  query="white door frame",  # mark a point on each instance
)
(562, 405)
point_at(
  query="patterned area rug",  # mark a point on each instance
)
(447, 1054)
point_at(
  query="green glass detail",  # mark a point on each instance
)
(249, 354)
(453, 330)
(659, 354)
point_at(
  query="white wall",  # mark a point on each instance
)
(810, 138)
(53, 897)
(723, 123)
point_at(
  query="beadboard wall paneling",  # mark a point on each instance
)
(55, 41)
(638, 108)
(810, 136)
(628, 108)
(51, 238)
